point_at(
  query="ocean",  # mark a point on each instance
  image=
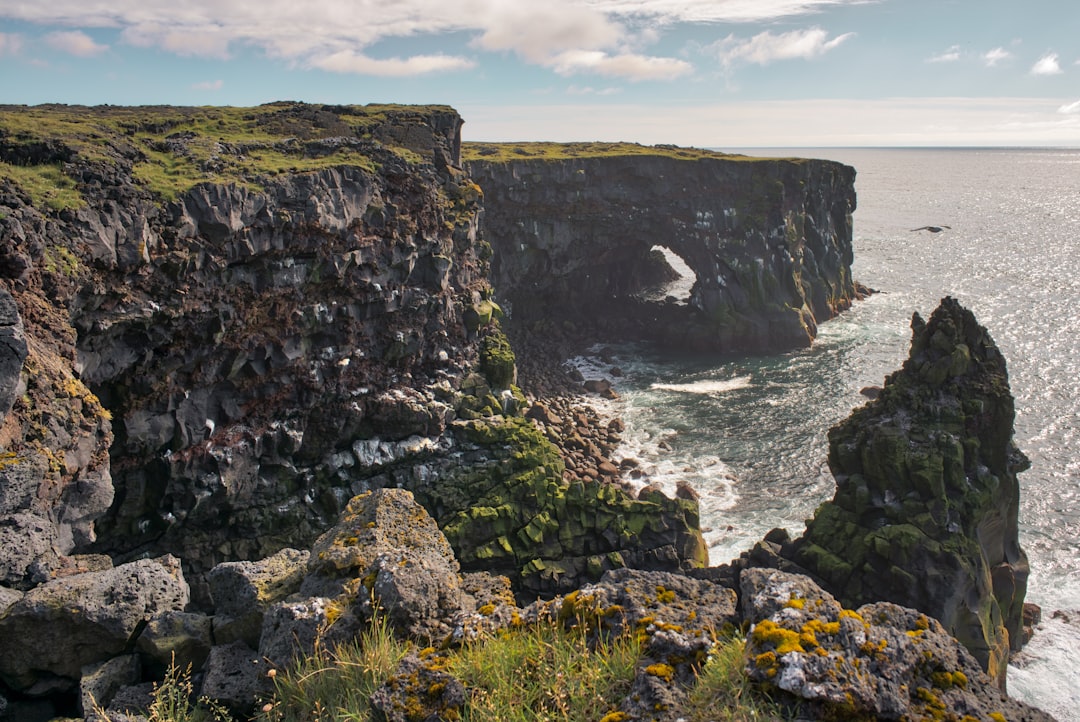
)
(749, 434)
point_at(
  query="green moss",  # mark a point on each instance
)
(172, 149)
(497, 361)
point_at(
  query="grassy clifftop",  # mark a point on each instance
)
(170, 149)
(505, 152)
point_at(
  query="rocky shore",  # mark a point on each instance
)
(256, 384)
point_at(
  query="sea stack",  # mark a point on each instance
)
(925, 511)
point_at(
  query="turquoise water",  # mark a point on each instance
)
(749, 434)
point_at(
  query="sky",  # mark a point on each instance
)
(707, 73)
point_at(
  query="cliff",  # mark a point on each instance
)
(220, 324)
(574, 227)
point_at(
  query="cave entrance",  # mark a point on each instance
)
(675, 278)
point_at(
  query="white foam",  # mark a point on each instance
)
(707, 386)
(1045, 674)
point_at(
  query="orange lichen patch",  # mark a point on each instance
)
(765, 660)
(922, 623)
(783, 640)
(661, 670)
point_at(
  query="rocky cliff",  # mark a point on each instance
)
(218, 325)
(574, 227)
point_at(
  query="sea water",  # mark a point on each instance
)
(750, 434)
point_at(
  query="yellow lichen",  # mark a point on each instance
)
(664, 596)
(795, 603)
(487, 610)
(783, 640)
(661, 670)
(616, 716)
(998, 717)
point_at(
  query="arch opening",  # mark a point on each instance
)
(674, 280)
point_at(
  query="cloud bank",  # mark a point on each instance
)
(602, 37)
(766, 47)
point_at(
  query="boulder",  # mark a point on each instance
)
(420, 689)
(297, 628)
(881, 660)
(175, 639)
(236, 676)
(925, 510)
(101, 681)
(243, 591)
(393, 548)
(56, 629)
(27, 540)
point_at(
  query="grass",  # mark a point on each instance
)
(506, 152)
(172, 149)
(545, 673)
(531, 673)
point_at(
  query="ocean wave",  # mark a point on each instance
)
(706, 386)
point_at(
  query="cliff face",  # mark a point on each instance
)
(218, 325)
(768, 240)
(925, 511)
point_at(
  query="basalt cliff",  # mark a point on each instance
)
(576, 229)
(254, 384)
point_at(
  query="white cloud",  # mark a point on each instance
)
(1047, 65)
(201, 43)
(734, 11)
(75, 42)
(765, 47)
(626, 65)
(10, 44)
(338, 34)
(1070, 108)
(208, 85)
(949, 56)
(995, 56)
(350, 62)
(588, 90)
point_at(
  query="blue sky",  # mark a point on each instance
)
(713, 73)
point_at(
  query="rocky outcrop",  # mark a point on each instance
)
(880, 660)
(925, 511)
(768, 240)
(56, 629)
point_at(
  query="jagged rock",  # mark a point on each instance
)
(26, 540)
(243, 591)
(101, 681)
(176, 639)
(20, 477)
(56, 629)
(882, 659)
(12, 352)
(235, 676)
(129, 702)
(925, 512)
(393, 547)
(7, 598)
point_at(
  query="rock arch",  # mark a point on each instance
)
(768, 240)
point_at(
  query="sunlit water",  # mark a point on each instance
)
(750, 434)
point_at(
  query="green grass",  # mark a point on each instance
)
(506, 152)
(173, 149)
(545, 673)
(531, 673)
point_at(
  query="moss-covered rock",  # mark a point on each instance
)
(509, 511)
(925, 511)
